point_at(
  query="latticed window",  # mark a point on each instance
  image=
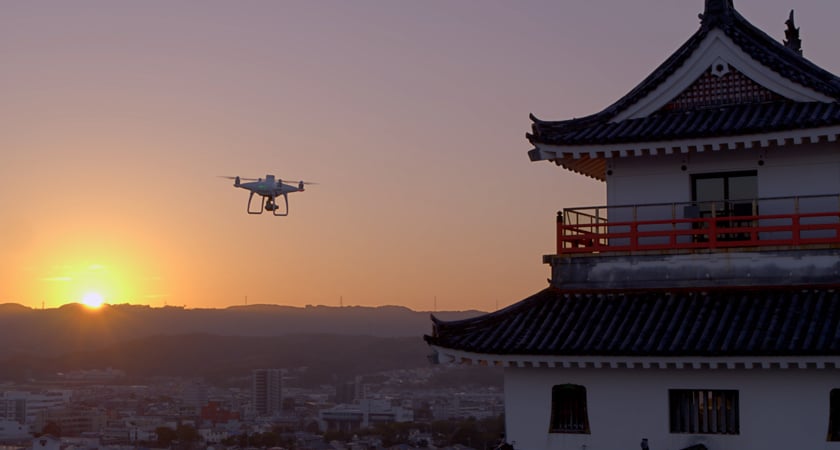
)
(568, 409)
(702, 411)
(731, 88)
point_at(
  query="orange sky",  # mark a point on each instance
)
(117, 118)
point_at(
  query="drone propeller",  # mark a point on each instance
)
(295, 180)
(241, 178)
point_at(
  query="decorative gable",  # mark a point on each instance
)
(716, 53)
(730, 86)
(721, 85)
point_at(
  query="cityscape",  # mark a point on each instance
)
(267, 408)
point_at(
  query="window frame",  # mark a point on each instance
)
(727, 200)
(569, 411)
(833, 416)
(704, 411)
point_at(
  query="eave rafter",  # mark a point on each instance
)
(457, 357)
(592, 160)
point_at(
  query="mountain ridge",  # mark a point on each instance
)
(74, 328)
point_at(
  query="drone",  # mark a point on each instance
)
(269, 189)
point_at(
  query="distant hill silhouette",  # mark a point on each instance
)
(222, 357)
(147, 341)
(73, 327)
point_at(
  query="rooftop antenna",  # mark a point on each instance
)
(341, 301)
(435, 303)
(246, 300)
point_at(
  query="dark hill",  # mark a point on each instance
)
(222, 357)
(212, 343)
(74, 328)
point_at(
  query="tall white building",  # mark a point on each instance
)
(267, 391)
(29, 404)
(13, 409)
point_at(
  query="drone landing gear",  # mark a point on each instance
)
(270, 204)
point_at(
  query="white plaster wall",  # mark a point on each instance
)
(779, 409)
(647, 179)
(787, 171)
(661, 180)
(811, 170)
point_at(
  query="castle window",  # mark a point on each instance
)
(834, 416)
(704, 411)
(724, 192)
(727, 195)
(568, 409)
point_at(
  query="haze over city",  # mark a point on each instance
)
(118, 118)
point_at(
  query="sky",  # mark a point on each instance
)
(117, 118)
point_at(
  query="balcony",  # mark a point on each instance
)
(777, 223)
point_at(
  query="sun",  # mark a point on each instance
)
(92, 300)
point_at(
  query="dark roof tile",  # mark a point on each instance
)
(598, 128)
(720, 121)
(725, 322)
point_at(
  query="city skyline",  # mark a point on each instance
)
(119, 118)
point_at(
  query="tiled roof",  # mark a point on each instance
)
(726, 322)
(761, 47)
(719, 121)
(781, 59)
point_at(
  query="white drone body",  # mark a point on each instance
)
(268, 189)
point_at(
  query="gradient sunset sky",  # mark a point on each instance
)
(117, 117)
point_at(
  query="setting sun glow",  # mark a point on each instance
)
(92, 300)
(97, 267)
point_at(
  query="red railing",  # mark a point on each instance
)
(793, 222)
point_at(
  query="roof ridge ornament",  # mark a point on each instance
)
(792, 40)
(716, 9)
